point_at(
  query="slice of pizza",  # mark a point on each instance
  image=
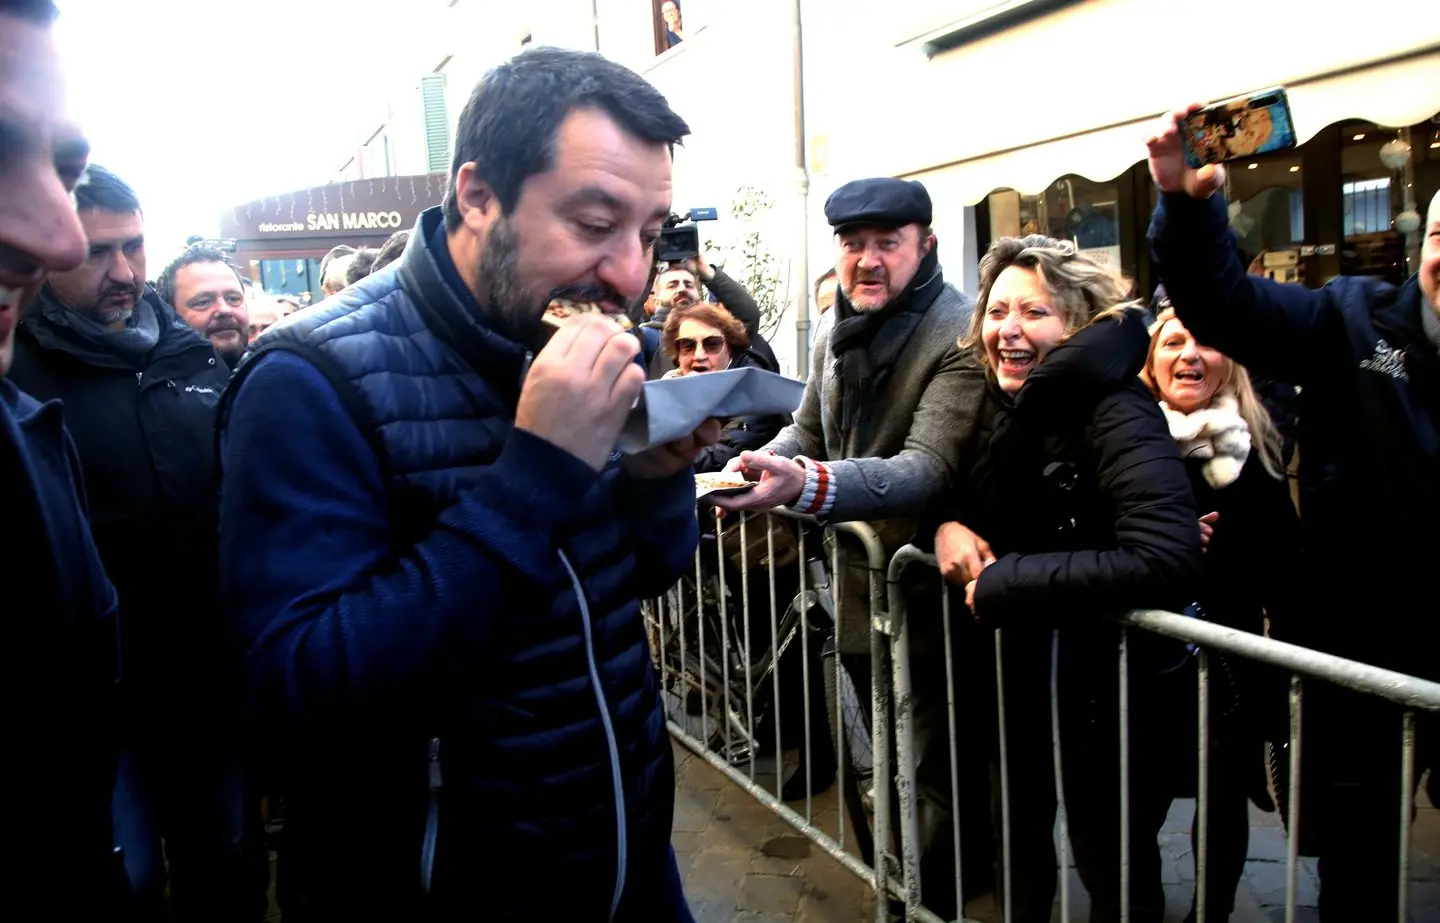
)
(561, 311)
(720, 480)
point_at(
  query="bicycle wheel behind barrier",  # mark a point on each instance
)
(850, 734)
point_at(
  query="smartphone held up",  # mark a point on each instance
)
(1257, 123)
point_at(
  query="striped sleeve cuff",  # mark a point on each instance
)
(818, 496)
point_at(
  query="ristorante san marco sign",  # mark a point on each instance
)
(356, 212)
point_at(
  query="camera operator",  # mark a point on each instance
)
(677, 285)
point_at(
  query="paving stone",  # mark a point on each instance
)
(711, 910)
(722, 834)
(1259, 818)
(771, 894)
(1171, 870)
(686, 841)
(1268, 843)
(714, 874)
(1268, 880)
(693, 811)
(1180, 817)
(685, 862)
(1178, 899)
(783, 854)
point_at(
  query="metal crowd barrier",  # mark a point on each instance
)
(895, 877)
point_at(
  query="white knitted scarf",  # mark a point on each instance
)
(1217, 434)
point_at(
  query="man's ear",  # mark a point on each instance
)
(479, 207)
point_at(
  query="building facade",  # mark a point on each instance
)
(1019, 116)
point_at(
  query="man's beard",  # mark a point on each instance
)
(679, 300)
(232, 351)
(108, 314)
(105, 312)
(869, 306)
(513, 310)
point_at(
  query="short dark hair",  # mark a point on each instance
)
(677, 266)
(99, 189)
(361, 265)
(390, 250)
(40, 12)
(195, 253)
(508, 126)
(338, 250)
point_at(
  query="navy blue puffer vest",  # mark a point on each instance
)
(527, 806)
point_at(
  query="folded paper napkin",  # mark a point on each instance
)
(672, 408)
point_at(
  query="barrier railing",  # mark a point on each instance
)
(741, 688)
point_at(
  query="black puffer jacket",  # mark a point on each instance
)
(146, 440)
(1253, 560)
(1081, 491)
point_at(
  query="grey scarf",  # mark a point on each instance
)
(132, 342)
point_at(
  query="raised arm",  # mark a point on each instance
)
(736, 300)
(1274, 329)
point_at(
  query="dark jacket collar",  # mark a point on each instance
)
(1398, 318)
(429, 276)
(1108, 352)
(175, 335)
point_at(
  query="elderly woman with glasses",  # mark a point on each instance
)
(704, 337)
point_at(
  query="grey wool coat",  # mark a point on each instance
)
(915, 430)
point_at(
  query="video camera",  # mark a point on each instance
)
(680, 241)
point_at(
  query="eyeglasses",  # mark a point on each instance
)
(711, 345)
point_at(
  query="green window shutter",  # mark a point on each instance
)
(437, 123)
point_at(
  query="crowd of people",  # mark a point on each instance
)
(379, 555)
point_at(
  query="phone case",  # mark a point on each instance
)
(1241, 127)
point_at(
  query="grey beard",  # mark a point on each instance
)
(112, 315)
(865, 308)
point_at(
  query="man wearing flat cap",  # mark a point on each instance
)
(888, 414)
(877, 434)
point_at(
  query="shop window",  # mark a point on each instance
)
(297, 277)
(1367, 206)
(669, 23)
(1371, 194)
(1267, 204)
(1072, 208)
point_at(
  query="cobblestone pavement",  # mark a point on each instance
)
(743, 864)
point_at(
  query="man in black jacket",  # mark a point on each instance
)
(678, 285)
(59, 608)
(140, 390)
(210, 295)
(1365, 356)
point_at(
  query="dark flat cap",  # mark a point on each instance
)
(880, 201)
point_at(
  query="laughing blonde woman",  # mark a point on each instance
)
(1076, 508)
